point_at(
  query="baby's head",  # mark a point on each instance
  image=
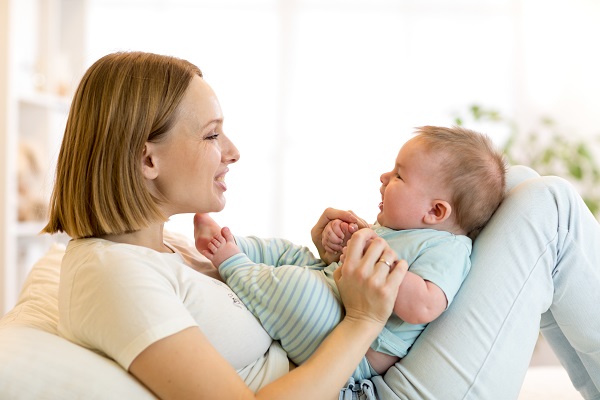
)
(444, 178)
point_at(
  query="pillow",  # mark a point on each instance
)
(35, 363)
(37, 305)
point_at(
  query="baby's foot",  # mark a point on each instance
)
(205, 228)
(221, 247)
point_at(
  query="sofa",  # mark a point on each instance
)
(35, 363)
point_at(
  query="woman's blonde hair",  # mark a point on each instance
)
(473, 170)
(123, 101)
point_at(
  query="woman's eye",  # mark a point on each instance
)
(213, 136)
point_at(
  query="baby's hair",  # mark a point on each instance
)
(472, 168)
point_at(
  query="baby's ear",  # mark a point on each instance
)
(439, 212)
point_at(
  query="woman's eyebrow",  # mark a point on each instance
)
(216, 121)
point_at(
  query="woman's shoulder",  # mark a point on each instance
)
(97, 246)
(114, 261)
(102, 249)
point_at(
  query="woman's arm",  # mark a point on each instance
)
(185, 365)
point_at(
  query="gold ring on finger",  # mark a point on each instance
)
(386, 262)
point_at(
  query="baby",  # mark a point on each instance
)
(445, 185)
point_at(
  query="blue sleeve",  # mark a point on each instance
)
(445, 263)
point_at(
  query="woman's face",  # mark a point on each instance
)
(188, 168)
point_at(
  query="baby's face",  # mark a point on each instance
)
(408, 190)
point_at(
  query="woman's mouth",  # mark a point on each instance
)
(220, 181)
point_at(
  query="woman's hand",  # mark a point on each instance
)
(329, 215)
(369, 278)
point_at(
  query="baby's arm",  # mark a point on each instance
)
(419, 301)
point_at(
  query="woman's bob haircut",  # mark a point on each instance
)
(124, 100)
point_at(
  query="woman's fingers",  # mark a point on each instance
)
(360, 223)
(369, 277)
(331, 214)
(386, 261)
(397, 274)
(358, 243)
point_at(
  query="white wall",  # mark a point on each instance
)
(319, 95)
(5, 179)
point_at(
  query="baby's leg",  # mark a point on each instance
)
(380, 362)
(294, 304)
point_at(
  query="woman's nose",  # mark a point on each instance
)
(230, 153)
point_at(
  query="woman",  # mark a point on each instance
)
(144, 140)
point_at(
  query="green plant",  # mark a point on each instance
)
(548, 151)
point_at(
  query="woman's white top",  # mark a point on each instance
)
(118, 299)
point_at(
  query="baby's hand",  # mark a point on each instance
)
(335, 236)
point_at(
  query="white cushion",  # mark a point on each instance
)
(35, 363)
(37, 305)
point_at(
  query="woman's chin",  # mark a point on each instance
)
(220, 205)
(213, 208)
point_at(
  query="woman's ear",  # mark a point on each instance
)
(439, 212)
(149, 165)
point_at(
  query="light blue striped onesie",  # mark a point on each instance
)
(294, 296)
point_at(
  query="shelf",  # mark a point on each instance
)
(42, 52)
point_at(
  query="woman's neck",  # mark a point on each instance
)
(150, 237)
